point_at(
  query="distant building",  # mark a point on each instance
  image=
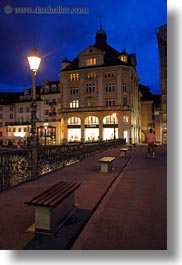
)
(7, 112)
(151, 114)
(48, 122)
(99, 94)
(162, 44)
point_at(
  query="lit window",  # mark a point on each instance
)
(91, 61)
(125, 119)
(74, 104)
(74, 121)
(91, 120)
(110, 119)
(124, 58)
(91, 75)
(74, 77)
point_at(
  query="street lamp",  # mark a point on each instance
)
(114, 117)
(34, 62)
(45, 132)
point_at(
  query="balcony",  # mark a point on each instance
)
(51, 114)
(96, 108)
(17, 123)
(53, 103)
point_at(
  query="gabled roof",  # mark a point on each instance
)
(111, 56)
(9, 98)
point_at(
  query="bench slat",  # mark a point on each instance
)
(52, 196)
(66, 194)
(59, 196)
(106, 159)
(46, 192)
(51, 193)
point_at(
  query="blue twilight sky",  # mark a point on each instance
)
(130, 24)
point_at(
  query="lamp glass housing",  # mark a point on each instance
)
(34, 62)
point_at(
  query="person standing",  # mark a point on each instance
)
(151, 144)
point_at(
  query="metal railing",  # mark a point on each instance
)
(17, 166)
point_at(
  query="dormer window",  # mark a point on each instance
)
(123, 56)
(91, 61)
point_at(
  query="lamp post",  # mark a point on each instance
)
(114, 117)
(45, 132)
(34, 62)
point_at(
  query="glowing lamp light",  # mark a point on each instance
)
(34, 60)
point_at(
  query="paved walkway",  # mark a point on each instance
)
(133, 215)
(126, 208)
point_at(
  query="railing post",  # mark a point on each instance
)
(34, 161)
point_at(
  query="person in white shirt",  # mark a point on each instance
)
(151, 144)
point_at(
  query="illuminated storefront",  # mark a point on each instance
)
(74, 129)
(91, 129)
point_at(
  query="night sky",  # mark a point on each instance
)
(128, 24)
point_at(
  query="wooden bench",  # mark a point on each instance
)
(106, 163)
(130, 147)
(123, 152)
(53, 206)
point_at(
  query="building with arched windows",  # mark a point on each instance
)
(100, 99)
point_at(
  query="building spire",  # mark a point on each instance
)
(100, 17)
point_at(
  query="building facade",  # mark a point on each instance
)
(48, 119)
(162, 44)
(7, 113)
(150, 114)
(99, 95)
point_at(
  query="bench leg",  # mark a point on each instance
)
(123, 154)
(106, 167)
(48, 219)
